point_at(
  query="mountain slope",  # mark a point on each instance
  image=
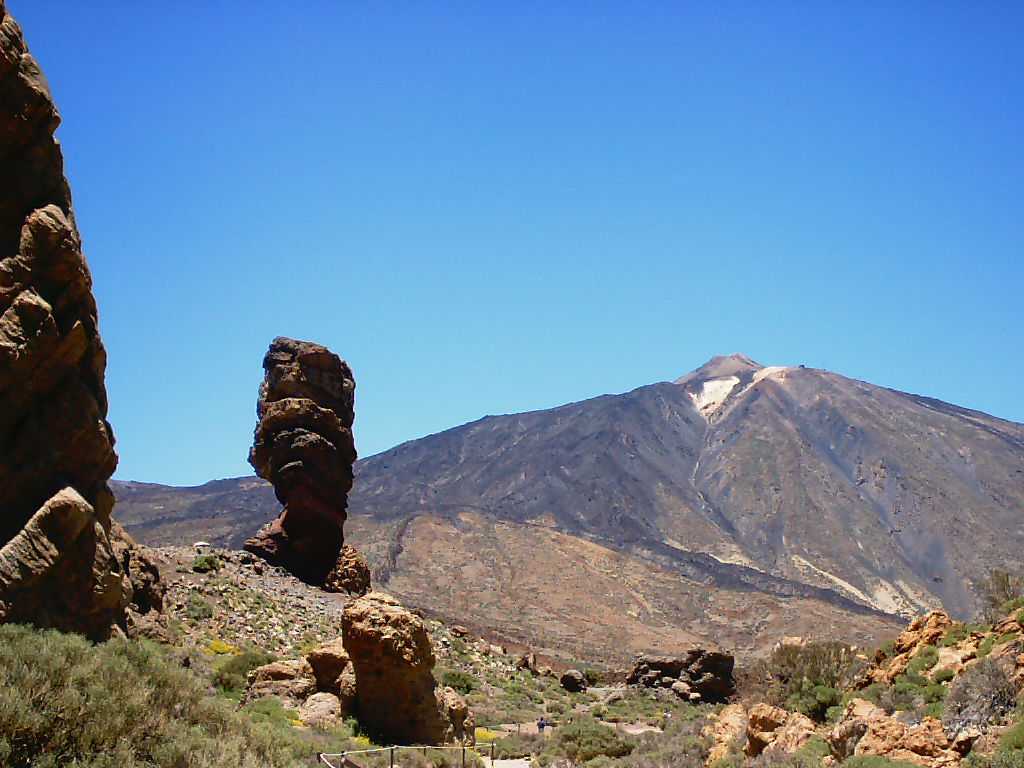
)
(792, 493)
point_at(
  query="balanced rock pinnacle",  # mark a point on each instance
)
(303, 445)
(59, 566)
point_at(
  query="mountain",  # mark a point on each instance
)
(739, 503)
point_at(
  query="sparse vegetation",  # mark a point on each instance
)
(197, 608)
(806, 678)
(230, 673)
(583, 740)
(982, 695)
(461, 681)
(1001, 593)
(123, 704)
(209, 563)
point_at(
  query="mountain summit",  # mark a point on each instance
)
(740, 502)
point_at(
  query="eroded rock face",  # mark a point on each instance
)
(58, 564)
(866, 729)
(776, 731)
(923, 631)
(304, 446)
(706, 674)
(725, 732)
(397, 698)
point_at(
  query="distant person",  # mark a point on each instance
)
(541, 725)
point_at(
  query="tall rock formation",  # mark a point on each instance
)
(304, 446)
(58, 565)
(397, 698)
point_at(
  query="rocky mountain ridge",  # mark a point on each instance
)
(742, 500)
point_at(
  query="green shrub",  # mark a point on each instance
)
(925, 659)
(197, 608)
(944, 675)
(123, 704)
(808, 678)
(517, 745)
(459, 680)
(230, 673)
(206, 564)
(813, 700)
(583, 740)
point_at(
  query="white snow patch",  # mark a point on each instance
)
(771, 372)
(712, 394)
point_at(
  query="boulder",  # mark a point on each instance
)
(707, 672)
(303, 445)
(527, 661)
(573, 681)
(350, 574)
(461, 725)
(58, 565)
(328, 663)
(397, 699)
(725, 731)
(321, 710)
(290, 681)
(776, 731)
(865, 729)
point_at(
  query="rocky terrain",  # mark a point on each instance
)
(303, 445)
(739, 503)
(62, 564)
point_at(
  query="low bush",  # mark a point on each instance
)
(206, 564)
(680, 746)
(123, 704)
(461, 681)
(230, 673)
(806, 678)
(925, 659)
(517, 745)
(982, 695)
(197, 608)
(583, 740)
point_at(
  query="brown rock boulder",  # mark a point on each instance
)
(397, 699)
(923, 631)
(725, 732)
(707, 672)
(776, 731)
(866, 729)
(291, 681)
(303, 445)
(330, 663)
(58, 567)
(351, 573)
(321, 710)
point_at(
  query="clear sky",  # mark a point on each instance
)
(495, 207)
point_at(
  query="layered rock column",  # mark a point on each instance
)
(58, 566)
(303, 445)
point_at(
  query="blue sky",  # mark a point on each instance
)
(495, 207)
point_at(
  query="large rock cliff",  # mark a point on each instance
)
(58, 563)
(304, 446)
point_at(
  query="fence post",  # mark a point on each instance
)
(463, 756)
(392, 751)
(492, 754)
